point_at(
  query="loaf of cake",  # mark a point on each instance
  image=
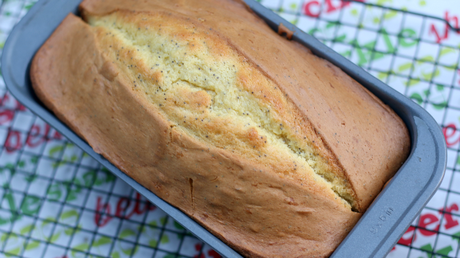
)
(275, 151)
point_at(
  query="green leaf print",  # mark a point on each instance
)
(313, 31)
(346, 53)
(415, 96)
(340, 38)
(130, 251)
(73, 158)
(178, 226)
(445, 251)
(68, 231)
(330, 25)
(26, 229)
(413, 82)
(425, 59)
(127, 233)
(102, 241)
(58, 164)
(456, 236)
(28, 6)
(390, 14)
(4, 236)
(109, 177)
(404, 67)
(354, 12)
(90, 178)
(55, 150)
(71, 231)
(429, 75)
(10, 167)
(12, 252)
(445, 51)
(54, 237)
(427, 248)
(141, 229)
(32, 245)
(440, 105)
(48, 221)
(34, 160)
(449, 67)
(69, 214)
(163, 220)
(153, 243)
(382, 75)
(72, 191)
(426, 93)
(382, 2)
(30, 178)
(164, 239)
(83, 247)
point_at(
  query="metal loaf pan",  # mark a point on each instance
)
(379, 228)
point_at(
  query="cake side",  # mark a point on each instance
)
(254, 208)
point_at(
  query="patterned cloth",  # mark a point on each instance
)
(56, 201)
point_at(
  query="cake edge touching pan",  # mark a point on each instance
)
(382, 224)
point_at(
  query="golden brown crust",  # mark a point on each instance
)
(248, 205)
(352, 134)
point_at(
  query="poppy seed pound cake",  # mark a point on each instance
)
(271, 148)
